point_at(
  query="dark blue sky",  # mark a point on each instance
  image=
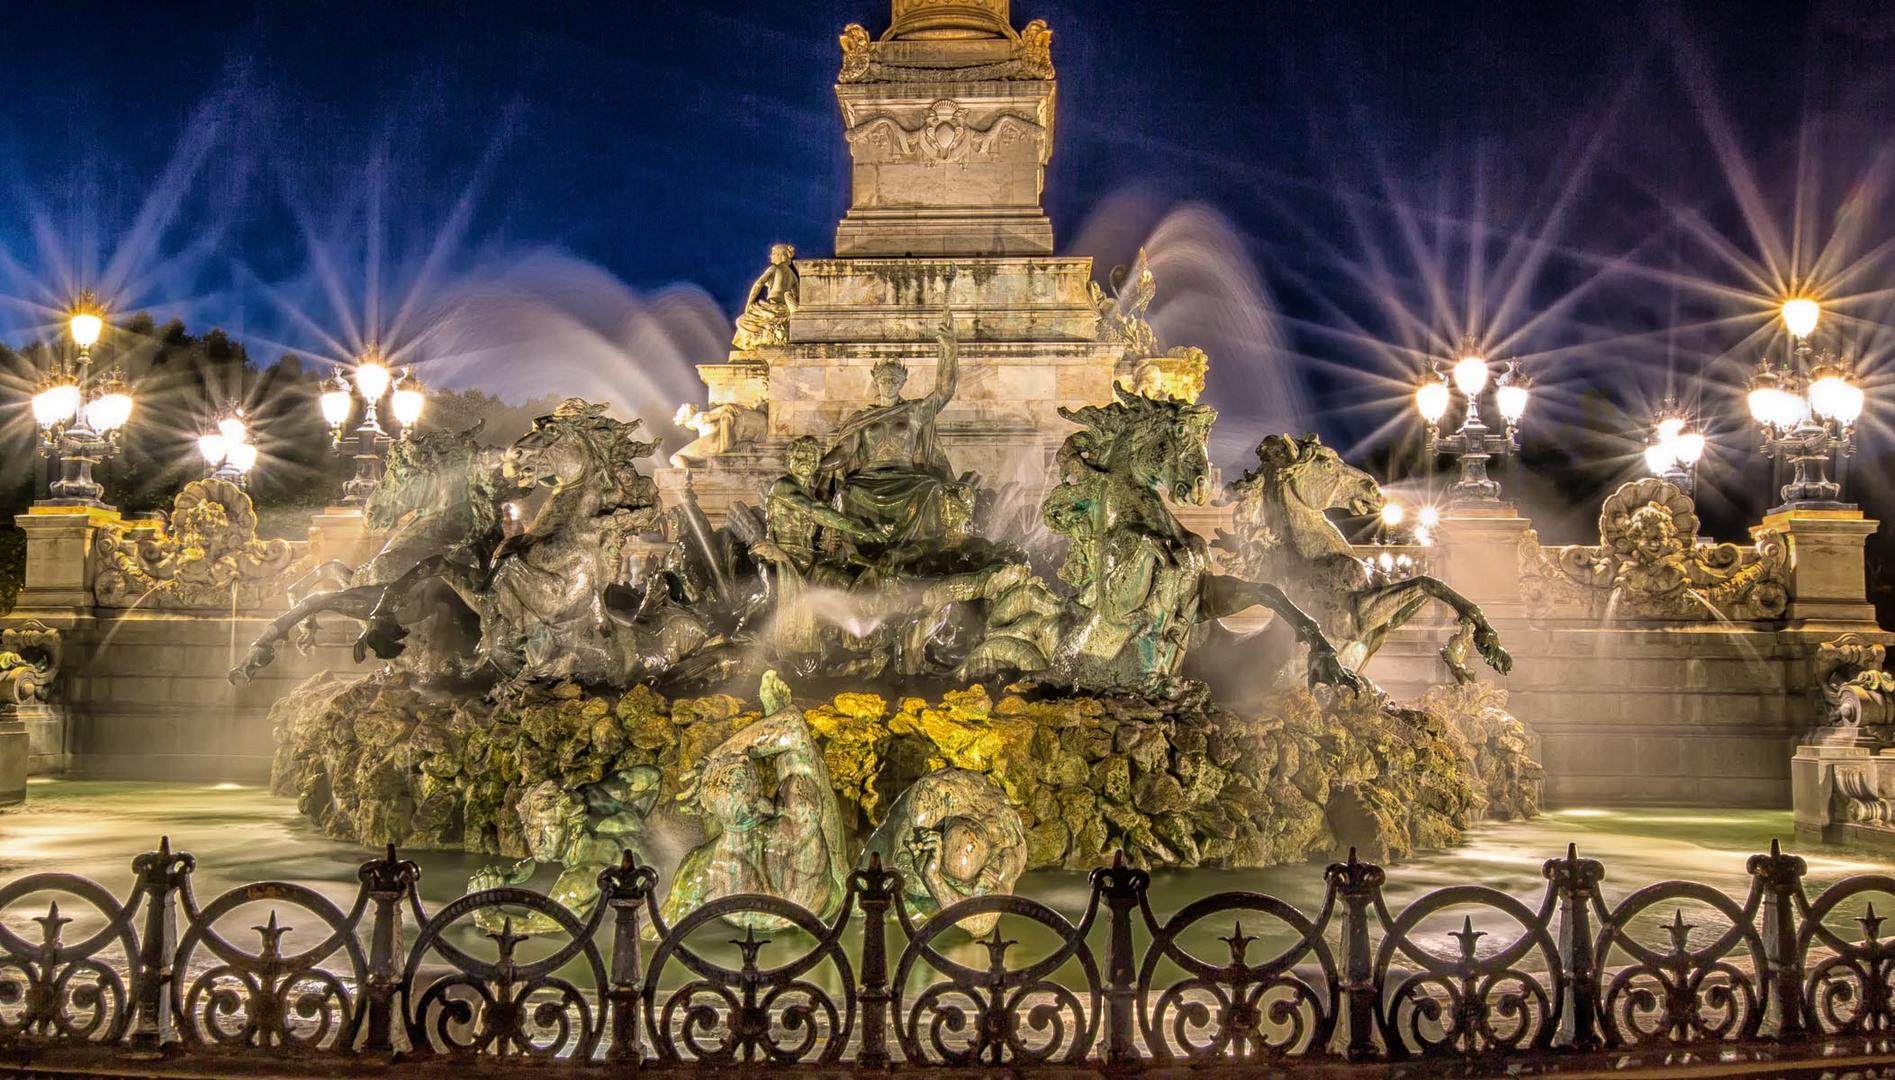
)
(208, 159)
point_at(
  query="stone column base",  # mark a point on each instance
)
(13, 756)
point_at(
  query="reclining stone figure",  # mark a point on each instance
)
(952, 835)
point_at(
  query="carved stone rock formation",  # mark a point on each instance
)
(1183, 783)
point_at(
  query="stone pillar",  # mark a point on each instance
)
(32, 733)
(59, 559)
(1480, 557)
(1828, 584)
(949, 120)
(14, 754)
(339, 533)
(1813, 788)
(61, 565)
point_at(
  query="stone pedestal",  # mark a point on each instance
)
(341, 534)
(1844, 795)
(1026, 349)
(948, 118)
(1827, 577)
(949, 121)
(1479, 554)
(14, 754)
(59, 556)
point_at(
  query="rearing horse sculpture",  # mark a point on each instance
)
(437, 504)
(1146, 591)
(1283, 536)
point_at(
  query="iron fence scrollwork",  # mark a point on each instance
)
(1467, 971)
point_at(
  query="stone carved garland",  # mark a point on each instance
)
(1032, 59)
(945, 137)
(1648, 565)
(209, 557)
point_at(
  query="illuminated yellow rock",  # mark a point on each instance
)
(1182, 783)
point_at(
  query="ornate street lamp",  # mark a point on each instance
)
(1675, 448)
(1806, 409)
(372, 381)
(79, 417)
(228, 452)
(1474, 443)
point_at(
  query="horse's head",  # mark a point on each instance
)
(1161, 444)
(1306, 472)
(429, 471)
(577, 444)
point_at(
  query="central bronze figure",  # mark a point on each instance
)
(886, 465)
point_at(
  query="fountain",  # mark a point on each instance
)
(945, 592)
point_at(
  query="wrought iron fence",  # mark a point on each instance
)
(874, 986)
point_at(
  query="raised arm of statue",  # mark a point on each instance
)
(949, 368)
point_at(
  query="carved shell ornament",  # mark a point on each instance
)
(945, 130)
(209, 557)
(1649, 564)
(1620, 525)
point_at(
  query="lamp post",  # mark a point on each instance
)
(228, 452)
(1474, 443)
(369, 441)
(80, 417)
(1676, 445)
(1806, 409)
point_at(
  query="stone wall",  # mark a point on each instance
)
(143, 693)
(1706, 716)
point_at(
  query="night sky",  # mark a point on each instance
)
(295, 171)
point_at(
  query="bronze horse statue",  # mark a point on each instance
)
(438, 503)
(1283, 534)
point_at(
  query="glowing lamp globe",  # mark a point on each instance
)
(1659, 457)
(1670, 428)
(243, 457)
(335, 407)
(233, 431)
(1773, 405)
(85, 328)
(1688, 448)
(1834, 397)
(1393, 514)
(407, 404)
(109, 411)
(1431, 401)
(1470, 374)
(1429, 517)
(371, 380)
(1512, 402)
(1800, 316)
(56, 404)
(213, 447)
